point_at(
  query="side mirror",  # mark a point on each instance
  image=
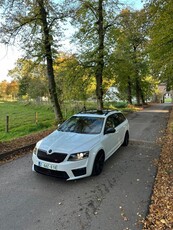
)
(110, 130)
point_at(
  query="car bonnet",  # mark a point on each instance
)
(69, 142)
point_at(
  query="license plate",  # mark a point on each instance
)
(48, 166)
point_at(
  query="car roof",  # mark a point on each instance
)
(97, 113)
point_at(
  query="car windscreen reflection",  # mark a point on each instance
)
(83, 125)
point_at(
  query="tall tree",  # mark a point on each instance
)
(33, 24)
(94, 20)
(121, 62)
(12, 89)
(161, 39)
(130, 52)
(49, 58)
(3, 89)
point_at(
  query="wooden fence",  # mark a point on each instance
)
(7, 121)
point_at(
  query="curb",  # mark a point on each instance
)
(16, 151)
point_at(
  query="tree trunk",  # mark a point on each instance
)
(137, 91)
(129, 91)
(137, 80)
(49, 60)
(142, 98)
(100, 61)
(99, 91)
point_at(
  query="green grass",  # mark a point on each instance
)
(22, 119)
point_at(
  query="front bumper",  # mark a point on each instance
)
(68, 170)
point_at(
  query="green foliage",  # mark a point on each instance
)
(31, 78)
(121, 104)
(161, 34)
(72, 78)
(129, 61)
(88, 34)
(116, 105)
(150, 86)
(94, 20)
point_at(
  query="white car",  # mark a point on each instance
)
(81, 145)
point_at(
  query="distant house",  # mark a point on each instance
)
(164, 94)
(111, 94)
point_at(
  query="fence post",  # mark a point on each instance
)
(7, 124)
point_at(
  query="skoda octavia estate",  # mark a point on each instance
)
(81, 145)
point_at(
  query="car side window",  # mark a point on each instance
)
(121, 118)
(109, 123)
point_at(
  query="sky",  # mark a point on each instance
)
(9, 55)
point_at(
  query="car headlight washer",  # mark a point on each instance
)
(35, 150)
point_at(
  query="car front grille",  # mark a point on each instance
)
(49, 172)
(54, 157)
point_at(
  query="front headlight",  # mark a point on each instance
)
(35, 151)
(78, 156)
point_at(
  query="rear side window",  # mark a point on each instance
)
(114, 120)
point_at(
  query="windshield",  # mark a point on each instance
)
(87, 125)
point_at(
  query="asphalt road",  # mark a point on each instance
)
(116, 200)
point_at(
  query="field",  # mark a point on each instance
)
(24, 118)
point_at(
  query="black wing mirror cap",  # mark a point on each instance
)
(110, 130)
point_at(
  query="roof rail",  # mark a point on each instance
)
(96, 111)
(91, 111)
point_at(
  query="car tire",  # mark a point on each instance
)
(98, 164)
(126, 139)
